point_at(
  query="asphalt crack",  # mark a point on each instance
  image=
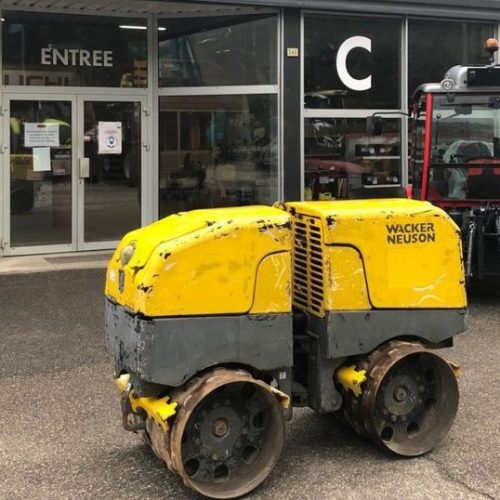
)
(444, 470)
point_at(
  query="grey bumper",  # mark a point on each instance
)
(171, 350)
(351, 333)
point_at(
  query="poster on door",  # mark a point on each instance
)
(41, 135)
(109, 138)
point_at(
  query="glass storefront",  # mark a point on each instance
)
(112, 188)
(207, 130)
(218, 50)
(353, 65)
(450, 43)
(343, 161)
(217, 151)
(76, 161)
(40, 172)
(351, 62)
(75, 170)
(70, 50)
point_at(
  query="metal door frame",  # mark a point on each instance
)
(79, 184)
(3, 176)
(7, 249)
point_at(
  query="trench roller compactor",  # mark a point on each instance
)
(222, 320)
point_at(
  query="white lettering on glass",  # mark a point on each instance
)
(108, 58)
(63, 57)
(351, 43)
(73, 53)
(76, 57)
(46, 56)
(85, 57)
(97, 58)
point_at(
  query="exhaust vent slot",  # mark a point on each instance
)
(308, 285)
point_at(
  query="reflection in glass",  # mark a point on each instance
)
(416, 147)
(112, 190)
(323, 36)
(225, 152)
(342, 161)
(449, 42)
(71, 50)
(40, 172)
(218, 50)
(465, 154)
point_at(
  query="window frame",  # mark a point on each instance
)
(398, 113)
(270, 89)
(49, 89)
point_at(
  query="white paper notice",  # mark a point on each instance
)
(109, 138)
(41, 134)
(41, 159)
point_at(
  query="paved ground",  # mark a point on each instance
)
(54, 262)
(61, 436)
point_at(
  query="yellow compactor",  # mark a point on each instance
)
(222, 320)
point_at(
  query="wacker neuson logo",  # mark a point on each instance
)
(404, 234)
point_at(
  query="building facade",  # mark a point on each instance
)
(115, 114)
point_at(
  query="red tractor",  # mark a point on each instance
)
(455, 157)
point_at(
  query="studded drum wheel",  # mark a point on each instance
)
(415, 404)
(409, 400)
(229, 437)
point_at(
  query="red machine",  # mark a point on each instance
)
(455, 157)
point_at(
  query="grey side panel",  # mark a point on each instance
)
(122, 333)
(323, 395)
(349, 333)
(170, 351)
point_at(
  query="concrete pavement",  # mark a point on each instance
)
(61, 435)
(54, 262)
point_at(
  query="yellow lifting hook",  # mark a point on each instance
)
(159, 409)
(350, 378)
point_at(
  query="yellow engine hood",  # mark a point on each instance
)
(206, 262)
(409, 251)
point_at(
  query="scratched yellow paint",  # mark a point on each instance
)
(344, 280)
(399, 272)
(204, 262)
(376, 254)
(272, 285)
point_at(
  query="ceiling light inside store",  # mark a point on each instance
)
(134, 27)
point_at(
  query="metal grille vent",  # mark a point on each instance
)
(308, 288)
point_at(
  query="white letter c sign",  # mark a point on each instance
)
(351, 43)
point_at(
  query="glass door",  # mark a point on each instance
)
(110, 165)
(37, 174)
(72, 172)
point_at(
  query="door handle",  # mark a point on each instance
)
(84, 166)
